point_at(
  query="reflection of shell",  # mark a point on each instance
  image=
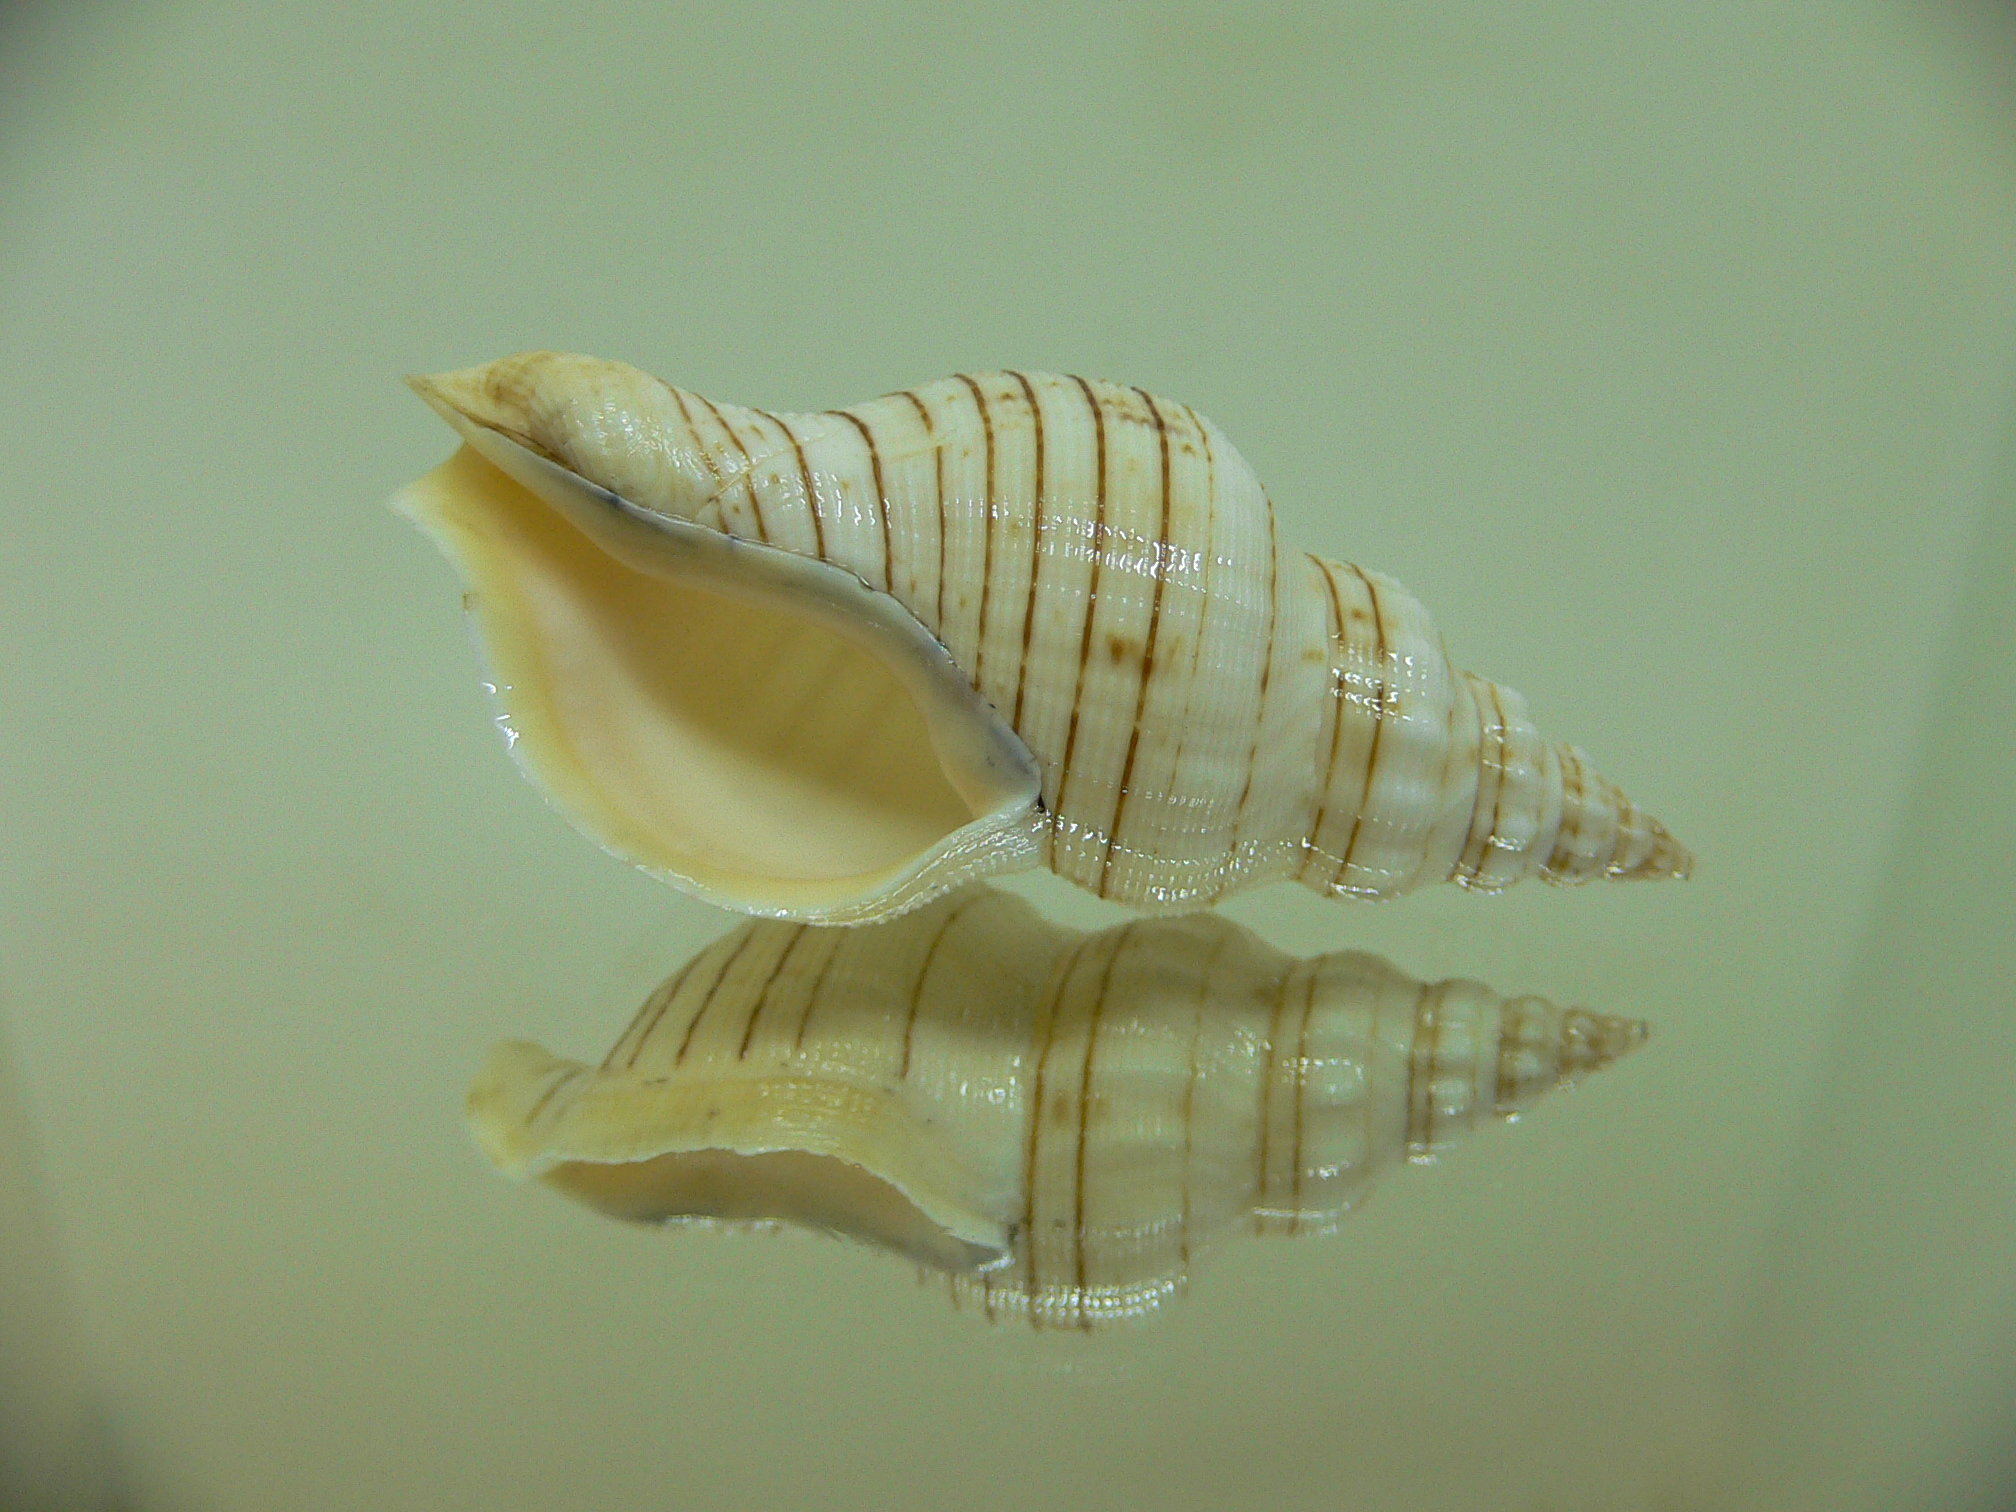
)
(828, 666)
(1061, 1121)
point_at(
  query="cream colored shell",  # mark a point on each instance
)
(827, 666)
(1061, 1122)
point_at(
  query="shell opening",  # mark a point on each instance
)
(795, 1186)
(754, 723)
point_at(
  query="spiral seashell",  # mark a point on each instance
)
(1061, 1122)
(827, 667)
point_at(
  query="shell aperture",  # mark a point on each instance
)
(999, 621)
(1061, 1123)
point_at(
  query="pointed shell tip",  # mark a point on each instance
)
(1667, 860)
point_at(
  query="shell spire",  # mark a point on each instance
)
(1060, 1123)
(830, 666)
(1510, 804)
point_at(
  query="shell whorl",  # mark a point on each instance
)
(1062, 1122)
(1208, 707)
(1434, 774)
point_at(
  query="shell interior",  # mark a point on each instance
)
(761, 726)
(737, 1145)
(771, 1186)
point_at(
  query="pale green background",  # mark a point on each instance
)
(1666, 351)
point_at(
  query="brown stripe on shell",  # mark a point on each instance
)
(1379, 711)
(686, 1043)
(718, 486)
(1339, 644)
(648, 1015)
(1459, 866)
(1147, 653)
(1203, 627)
(924, 971)
(881, 492)
(938, 473)
(805, 476)
(1566, 835)
(1267, 1094)
(1498, 795)
(1085, 1111)
(988, 511)
(1511, 1040)
(1035, 550)
(1301, 1093)
(1091, 595)
(1190, 1094)
(1266, 675)
(1053, 1004)
(566, 1075)
(839, 938)
(1420, 1144)
(763, 997)
(1468, 869)
(748, 474)
(1619, 836)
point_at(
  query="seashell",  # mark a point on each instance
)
(826, 667)
(1063, 1123)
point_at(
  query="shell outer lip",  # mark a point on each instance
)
(988, 764)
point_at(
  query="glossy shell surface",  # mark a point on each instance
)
(1061, 1123)
(1000, 620)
